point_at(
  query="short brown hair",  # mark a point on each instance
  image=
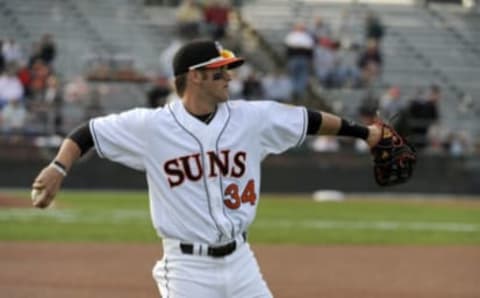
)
(181, 84)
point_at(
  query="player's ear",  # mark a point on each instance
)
(197, 75)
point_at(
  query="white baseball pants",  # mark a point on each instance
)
(237, 275)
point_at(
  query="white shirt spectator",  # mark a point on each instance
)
(299, 39)
(14, 116)
(10, 88)
(11, 51)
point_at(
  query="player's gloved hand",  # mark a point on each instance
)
(393, 157)
(46, 186)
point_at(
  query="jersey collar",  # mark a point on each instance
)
(197, 127)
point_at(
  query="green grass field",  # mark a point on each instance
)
(124, 217)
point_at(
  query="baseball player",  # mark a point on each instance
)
(201, 156)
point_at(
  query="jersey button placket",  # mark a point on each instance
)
(217, 205)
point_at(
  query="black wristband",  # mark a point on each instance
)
(60, 167)
(83, 137)
(351, 129)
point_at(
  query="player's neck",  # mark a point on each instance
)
(197, 107)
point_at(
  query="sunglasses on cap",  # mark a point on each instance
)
(224, 54)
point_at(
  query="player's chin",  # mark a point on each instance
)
(224, 97)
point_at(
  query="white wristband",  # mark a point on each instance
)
(59, 169)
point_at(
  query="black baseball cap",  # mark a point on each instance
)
(203, 54)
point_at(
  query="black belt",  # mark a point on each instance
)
(213, 251)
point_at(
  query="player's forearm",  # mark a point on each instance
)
(330, 124)
(68, 153)
(323, 123)
(77, 143)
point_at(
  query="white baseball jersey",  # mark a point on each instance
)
(203, 179)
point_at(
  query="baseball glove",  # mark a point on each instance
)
(393, 157)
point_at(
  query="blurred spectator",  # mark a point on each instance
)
(54, 99)
(45, 107)
(368, 108)
(277, 86)
(391, 103)
(48, 49)
(25, 77)
(39, 74)
(345, 72)
(157, 95)
(11, 88)
(299, 55)
(370, 63)
(320, 30)
(189, 17)
(252, 87)
(402, 121)
(35, 54)
(374, 29)
(13, 119)
(77, 90)
(324, 61)
(459, 144)
(422, 114)
(216, 14)
(436, 140)
(11, 51)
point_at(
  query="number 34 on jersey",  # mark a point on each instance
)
(226, 163)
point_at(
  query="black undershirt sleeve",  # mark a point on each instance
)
(314, 122)
(347, 128)
(83, 137)
(352, 129)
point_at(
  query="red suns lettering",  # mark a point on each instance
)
(187, 168)
(190, 167)
(239, 161)
(174, 173)
(216, 163)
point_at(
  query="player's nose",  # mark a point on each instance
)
(227, 75)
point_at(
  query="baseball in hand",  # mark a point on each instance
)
(38, 195)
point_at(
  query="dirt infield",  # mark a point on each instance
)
(8, 201)
(50, 270)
